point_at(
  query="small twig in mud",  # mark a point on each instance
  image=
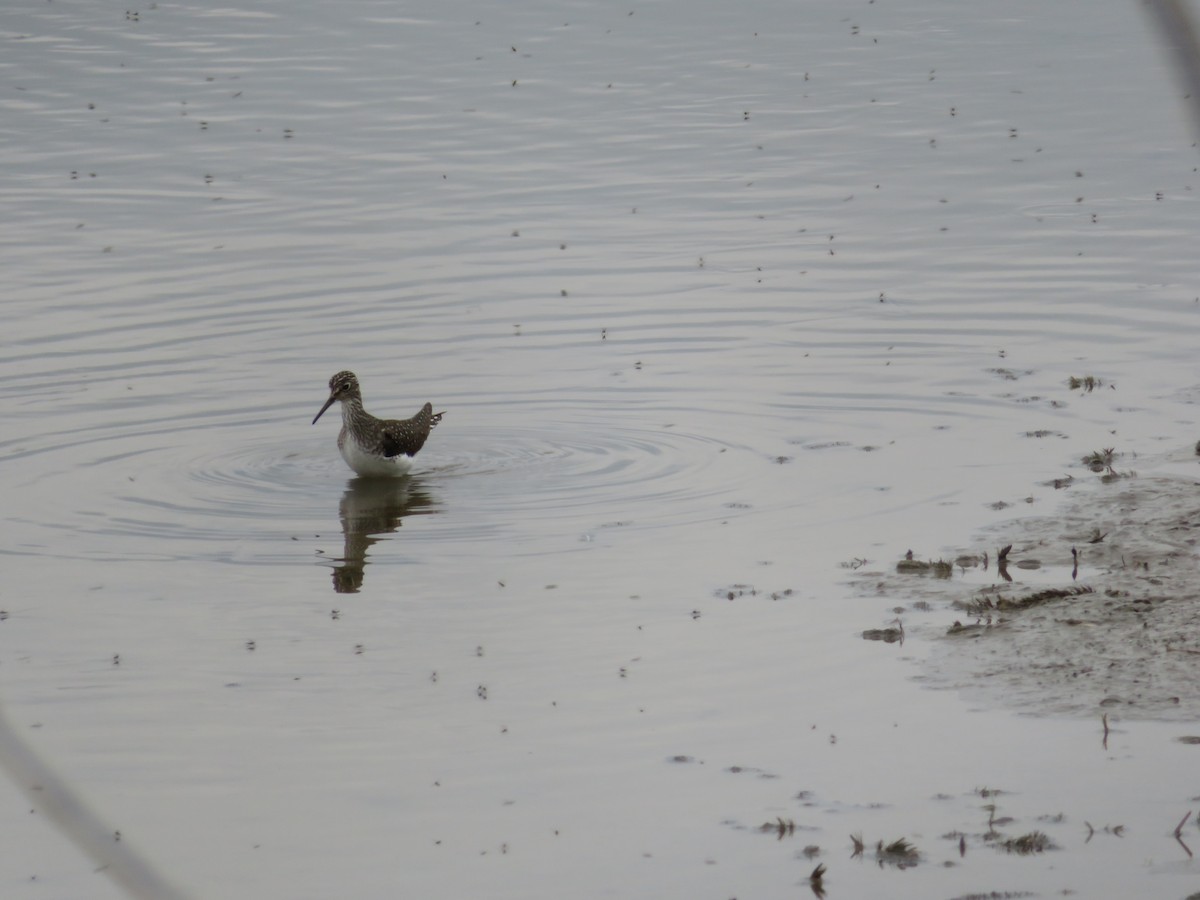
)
(816, 879)
(1104, 722)
(857, 841)
(1179, 834)
(1182, 822)
(1167, 646)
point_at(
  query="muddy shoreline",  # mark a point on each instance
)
(1122, 637)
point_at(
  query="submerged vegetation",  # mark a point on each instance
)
(781, 827)
(938, 569)
(1087, 383)
(1033, 842)
(986, 604)
(899, 852)
(1100, 460)
(887, 635)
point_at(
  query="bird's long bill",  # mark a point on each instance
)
(328, 403)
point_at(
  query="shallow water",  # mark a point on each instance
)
(718, 301)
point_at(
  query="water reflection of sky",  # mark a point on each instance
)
(717, 295)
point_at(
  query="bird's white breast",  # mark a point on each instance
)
(369, 464)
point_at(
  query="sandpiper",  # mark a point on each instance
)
(372, 446)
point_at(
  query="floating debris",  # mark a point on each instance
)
(1034, 842)
(1060, 483)
(887, 635)
(1008, 374)
(734, 591)
(781, 828)
(1101, 460)
(973, 630)
(898, 853)
(1114, 830)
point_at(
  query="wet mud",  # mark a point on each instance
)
(1096, 611)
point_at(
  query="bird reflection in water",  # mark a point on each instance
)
(371, 508)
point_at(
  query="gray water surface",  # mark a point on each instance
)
(718, 299)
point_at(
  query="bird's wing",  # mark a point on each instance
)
(408, 436)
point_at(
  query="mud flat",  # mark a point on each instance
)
(1119, 633)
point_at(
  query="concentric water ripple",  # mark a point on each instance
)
(624, 474)
(229, 494)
